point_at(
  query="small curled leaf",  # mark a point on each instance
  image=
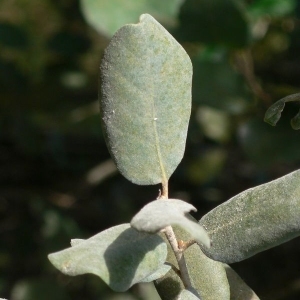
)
(159, 214)
(295, 122)
(273, 113)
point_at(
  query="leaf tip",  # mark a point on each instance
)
(205, 239)
(273, 113)
(51, 258)
(295, 122)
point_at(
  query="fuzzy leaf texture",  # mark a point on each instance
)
(208, 277)
(145, 101)
(159, 214)
(162, 271)
(239, 290)
(108, 16)
(187, 295)
(255, 220)
(120, 256)
(273, 114)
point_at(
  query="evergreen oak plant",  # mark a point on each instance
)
(145, 108)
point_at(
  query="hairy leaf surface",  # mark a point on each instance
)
(146, 101)
(157, 274)
(120, 255)
(239, 290)
(254, 220)
(187, 295)
(159, 214)
(208, 277)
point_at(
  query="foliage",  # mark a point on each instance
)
(140, 66)
(57, 178)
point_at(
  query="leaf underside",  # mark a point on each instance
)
(254, 220)
(120, 256)
(159, 214)
(146, 101)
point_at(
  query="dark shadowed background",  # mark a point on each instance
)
(57, 180)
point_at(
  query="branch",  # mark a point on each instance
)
(184, 275)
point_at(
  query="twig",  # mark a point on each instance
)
(165, 190)
(184, 275)
(171, 237)
(184, 245)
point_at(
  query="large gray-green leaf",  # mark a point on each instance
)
(271, 8)
(159, 214)
(120, 255)
(239, 290)
(108, 16)
(254, 220)
(273, 113)
(146, 101)
(208, 277)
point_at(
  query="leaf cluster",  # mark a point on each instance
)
(145, 109)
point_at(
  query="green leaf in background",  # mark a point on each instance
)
(146, 101)
(218, 22)
(39, 288)
(108, 16)
(239, 290)
(208, 277)
(207, 166)
(13, 36)
(255, 220)
(273, 113)
(216, 84)
(120, 256)
(159, 214)
(271, 8)
(281, 143)
(216, 124)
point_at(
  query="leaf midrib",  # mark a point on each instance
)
(164, 178)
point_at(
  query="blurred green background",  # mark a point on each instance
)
(57, 180)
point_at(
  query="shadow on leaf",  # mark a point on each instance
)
(133, 256)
